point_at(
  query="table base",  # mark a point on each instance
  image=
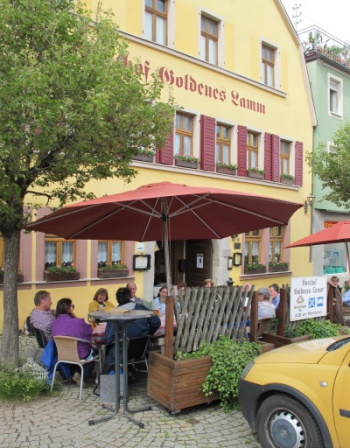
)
(126, 413)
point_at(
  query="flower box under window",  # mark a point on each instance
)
(226, 170)
(61, 276)
(256, 174)
(186, 164)
(111, 273)
(143, 157)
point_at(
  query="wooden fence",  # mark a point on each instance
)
(204, 314)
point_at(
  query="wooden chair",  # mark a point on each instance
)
(67, 352)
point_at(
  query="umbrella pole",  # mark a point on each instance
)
(166, 248)
(347, 254)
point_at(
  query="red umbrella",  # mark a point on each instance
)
(336, 233)
(167, 211)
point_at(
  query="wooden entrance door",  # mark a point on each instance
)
(198, 261)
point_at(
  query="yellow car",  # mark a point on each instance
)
(298, 396)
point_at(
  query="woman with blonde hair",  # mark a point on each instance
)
(100, 301)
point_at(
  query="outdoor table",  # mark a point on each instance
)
(120, 320)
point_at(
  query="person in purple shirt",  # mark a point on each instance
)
(67, 324)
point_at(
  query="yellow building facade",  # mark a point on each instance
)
(237, 73)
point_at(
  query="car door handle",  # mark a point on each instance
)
(344, 413)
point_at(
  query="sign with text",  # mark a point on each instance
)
(308, 298)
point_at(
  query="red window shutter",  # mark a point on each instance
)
(268, 156)
(275, 158)
(298, 179)
(165, 155)
(208, 136)
(242, 151)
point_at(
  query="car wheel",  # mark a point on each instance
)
(283, 422)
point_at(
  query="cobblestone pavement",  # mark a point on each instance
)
(62, 421)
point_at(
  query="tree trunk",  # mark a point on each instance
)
(10, 340)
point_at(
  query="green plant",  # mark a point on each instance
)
(253, 266)
(287, 176)
(112, 266)
(55, 269)
(256, 170)
(316, 329)
(278, 264)
(16, 385)
(147, 152)
(187, 158)
(226, 165)
(229, 360)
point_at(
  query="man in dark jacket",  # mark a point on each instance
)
(136, 328)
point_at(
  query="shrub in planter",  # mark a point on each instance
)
(287, 179)
(61, 273)
(278, 267)
(226, 168)
(315, 328)
(254, 268)
(20, 276)
(187, 161)
(112, 270)
(256, 173)
(144, 155)
(229, 360)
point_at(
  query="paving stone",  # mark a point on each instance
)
(61, 421)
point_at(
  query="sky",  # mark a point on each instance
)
(330, 15)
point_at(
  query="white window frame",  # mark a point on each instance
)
(340, 97)
(170, 23)
(277, 63)
(221, 41)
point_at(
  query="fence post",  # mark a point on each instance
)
(330, 296)
(169, 327)
(282, 312)
(254, 318)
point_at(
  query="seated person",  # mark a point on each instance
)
(274, 291)
(131, 286)
(346, 298)
(42, 315)
(140, 327)
(158, 302)
(265, 308)
(208, 283)
(100, 302)
(67, 324)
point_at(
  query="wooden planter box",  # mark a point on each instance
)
(278, 268)
(143, 158)
(255, 175)
(280, 341)
(20, 278)
(287, 181)
(177, 385)
(111, 273)
(225, 170)
(61, 276)
(186, 164)
(255, 271)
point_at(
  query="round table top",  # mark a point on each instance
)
(114, 314)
